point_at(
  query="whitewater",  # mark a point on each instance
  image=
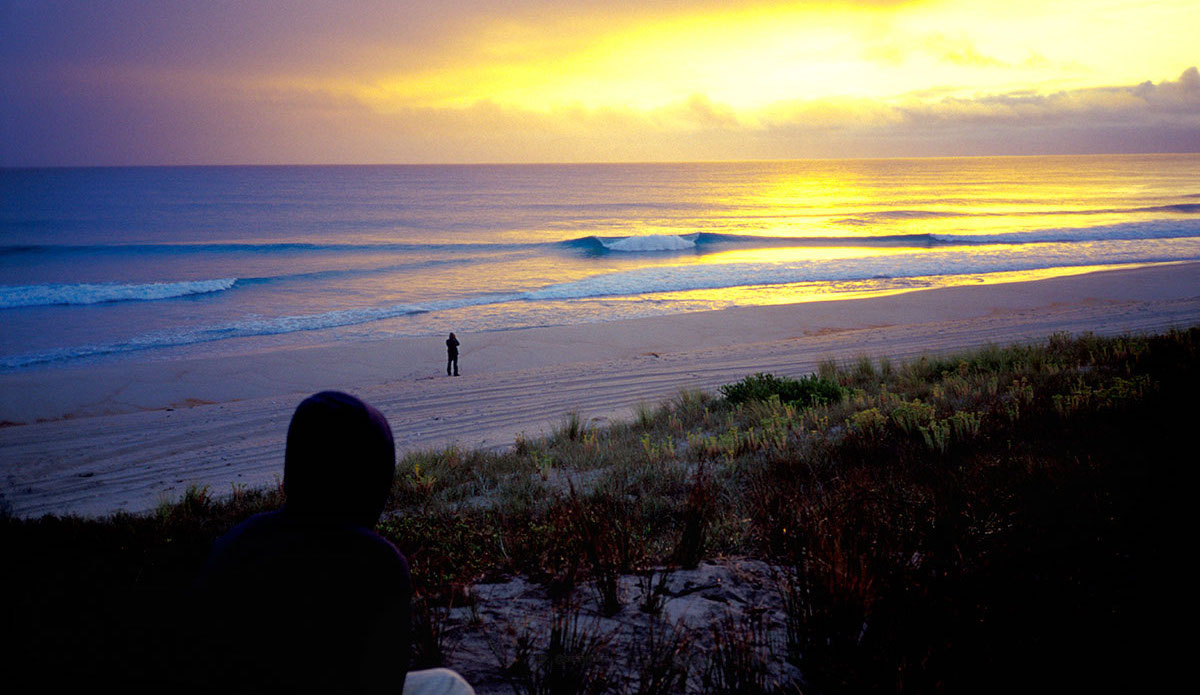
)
(166, 263)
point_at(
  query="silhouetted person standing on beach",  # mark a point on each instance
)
(451, 354)
(308, 598)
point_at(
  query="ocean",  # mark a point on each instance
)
(103, 265)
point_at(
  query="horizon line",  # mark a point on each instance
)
(631, 162)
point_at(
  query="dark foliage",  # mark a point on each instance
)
(806, 391)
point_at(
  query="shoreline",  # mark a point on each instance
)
(123, 437)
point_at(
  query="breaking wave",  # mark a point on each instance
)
(702, 241)
(13, 296)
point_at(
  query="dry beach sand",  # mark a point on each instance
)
(100, 439)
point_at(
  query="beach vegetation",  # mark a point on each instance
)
(739, 661)
(661, 661)
(574, 659)
(806, 391)
(431, 631)
(572, 427)
(953, 523)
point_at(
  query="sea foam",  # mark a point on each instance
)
(727, 275)
(13, 296)
(649, 242)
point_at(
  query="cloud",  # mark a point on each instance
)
(700, 112)
(1185, 91)
(214, 123)
(958, 51)
(971, 57)
(174, 81)
(1148, 117)
(1132, 104)
(303, 34)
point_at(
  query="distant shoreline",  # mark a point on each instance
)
(127, 436)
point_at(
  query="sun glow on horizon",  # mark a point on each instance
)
(751, 59)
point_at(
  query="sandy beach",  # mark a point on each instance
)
(92, 441)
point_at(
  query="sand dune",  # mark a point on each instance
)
(125, 437)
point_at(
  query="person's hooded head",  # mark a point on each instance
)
(340, 459)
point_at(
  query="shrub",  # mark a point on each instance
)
(806, 391)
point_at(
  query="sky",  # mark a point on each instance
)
(126, 82)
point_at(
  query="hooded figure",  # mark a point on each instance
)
(308, 598)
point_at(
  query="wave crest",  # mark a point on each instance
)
(14, 296)
(649, 242)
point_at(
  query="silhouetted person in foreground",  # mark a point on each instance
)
(451, 354)
(308, 598)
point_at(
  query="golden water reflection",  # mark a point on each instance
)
(805, 292)
(799, 254)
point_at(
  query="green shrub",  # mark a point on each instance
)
(806, 391)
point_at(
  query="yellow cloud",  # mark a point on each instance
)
(751, 58)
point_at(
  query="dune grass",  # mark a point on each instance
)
(958, 523)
